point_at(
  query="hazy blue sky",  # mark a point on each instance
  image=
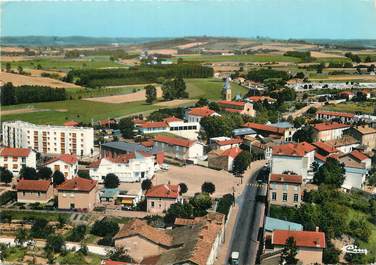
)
(164, 18)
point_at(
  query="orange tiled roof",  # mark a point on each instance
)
(303, 238)
(141, 228)
(231, 103)
(260, 98)
(286, 178)
(365, 129)
(325, 146)
(347, 93)
(174, 141)
(154, 124)
(148, 143)
(201, 112)
(335, 113)
(33, 185)
(118, 159)
(69, 159)
(78, 184)
(291, 149)
(164, 191)
(71, 123)
(229, 141)
(359, 155)
(15, 152)
(232, 152)
(326, 126)
(265, 128)
(171, 119)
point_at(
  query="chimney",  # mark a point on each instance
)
(317, 229)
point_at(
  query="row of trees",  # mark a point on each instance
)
(174, 89)
(11, 95)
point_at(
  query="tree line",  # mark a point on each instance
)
(136, 75)
(11, 95)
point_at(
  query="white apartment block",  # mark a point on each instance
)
(14, 159)
(49, 139)
(66, 164)
(132, 167)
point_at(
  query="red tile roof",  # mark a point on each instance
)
(232, 152)
(118, 159)
(201, 112)
(164, 191)
(15, 152)
(71, 123)
(325, 147)
(303, 238)
(106, 122)
(148, 143)
(260, 98)
(336, 114)
(265, 128)
(174, 141)
(154, 124)
(286, 178)
(233, 110)
(228, 142)
(69, 159)
(139, 121)
(359, 155)
(326, 126)
(231, 103)
(33, 185)
(113, 262)
(171, 119)
(347, 93)
(77, 184)
(291, 149)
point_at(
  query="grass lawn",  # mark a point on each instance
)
(66, 64)
(91, 239)
(240, 58)
(333, 60)
(58, 112)
(105, 91)
(14, 254)
(78, 258)
(364, 107)
(210, 88)
(20, 215)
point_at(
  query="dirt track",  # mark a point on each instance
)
(117, 99)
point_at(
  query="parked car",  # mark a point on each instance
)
(165, 167)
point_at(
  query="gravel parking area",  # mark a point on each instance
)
(194, 176)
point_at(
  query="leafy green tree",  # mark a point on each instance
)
(20, 69)
(62, 221)
(120, 254)
(44, 173)
(305, 134)
(6, 175)
(58, 177)
(111, 181)
(289, 252)
(40, 228)
(299, 122)
(201, 202)
(320, 68)
(8, 94)
(146, 184)
(55, 243)
(202, 102)
(330, 254)
(178, 210)
(214, 106)
(225, 203)
(330, 173)
(151, 94)
(208, 187)
(8, 67)
(126, 126)
(183, 188)
(360, 228)
(22, 236)
(241, 162)
(77, 233)
(260, 75)
(104, 227)
(28, 173)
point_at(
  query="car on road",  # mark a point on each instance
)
(234, 258)
(164, 167)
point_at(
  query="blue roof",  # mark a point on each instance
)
(272, 224)
(243, 131)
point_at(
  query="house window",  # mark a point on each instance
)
(274, 186)
(5, 158)
(15, 159)
(296, 197)
(152, 204)
(38, 194)
(284, 197)
(15, 166)
(23, 193)
(274, 196)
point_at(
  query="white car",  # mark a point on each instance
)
(165, 167)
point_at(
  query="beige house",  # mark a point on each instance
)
(32, 191)
(329, 131)
(285, 189)
(77, 193)
(159, 198)
(310, 244)
(240, 107)
(223, 159)
(66, 164)
(365, 134)
(14, 159)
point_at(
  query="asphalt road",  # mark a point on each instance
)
(244, 237)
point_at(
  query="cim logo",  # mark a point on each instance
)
(354, 250)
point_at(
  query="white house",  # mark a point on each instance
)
(330, 115)
(49, 139)
(15, 158)
(132, 167)
(293, 158)
(179, 148)
(355, 173)
(196, 114)
(223, 143)
(329, 131)
(66, 164)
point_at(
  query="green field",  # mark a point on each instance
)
(20, 215)
(333, 60)
(104, 91)
(210, 88)
(66, 64)
(364, 107)
(239, 58)
(58, 112)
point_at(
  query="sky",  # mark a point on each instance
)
(283, 19)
